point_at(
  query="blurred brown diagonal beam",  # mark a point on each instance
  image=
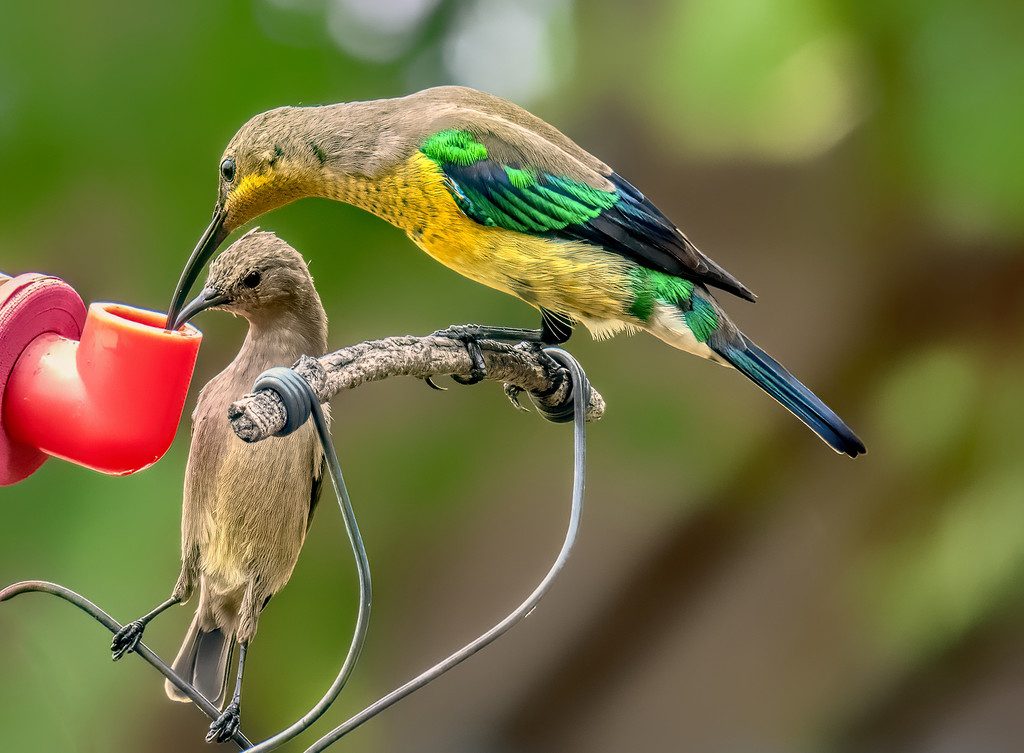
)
(674, 577)
(986, 666)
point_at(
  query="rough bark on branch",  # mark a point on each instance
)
(521, 367)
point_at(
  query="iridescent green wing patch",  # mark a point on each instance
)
(520, 198)
(453, 147)
(702, 319)
(651, 288)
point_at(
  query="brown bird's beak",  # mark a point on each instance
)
(210, 242)
(209, 298)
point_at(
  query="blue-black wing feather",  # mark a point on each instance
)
(629, 225)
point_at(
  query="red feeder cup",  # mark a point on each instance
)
(104, 390)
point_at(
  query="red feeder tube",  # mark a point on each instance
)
(104, 390)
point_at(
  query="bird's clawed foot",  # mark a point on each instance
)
(468, 335)
(512, 392)
(126, 639)
(225, 725)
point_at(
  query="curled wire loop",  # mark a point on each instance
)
(295, 392)
(300, 400)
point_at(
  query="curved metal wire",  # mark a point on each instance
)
(287, 383)
(580, 466)
(42, 586)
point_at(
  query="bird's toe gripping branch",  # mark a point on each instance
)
(126, 639)
(557, 403)
(472, 334)
(554, 403)
(469, 335)
(225, 726)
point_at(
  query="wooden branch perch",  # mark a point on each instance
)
(523, 368)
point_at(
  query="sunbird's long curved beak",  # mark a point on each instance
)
(208, 244)
(208, 298)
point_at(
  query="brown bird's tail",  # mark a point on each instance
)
(203, 660)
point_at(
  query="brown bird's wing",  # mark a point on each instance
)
(316, 490)
(509, 175)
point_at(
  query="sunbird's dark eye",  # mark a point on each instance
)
(252, 279)
(227, 170)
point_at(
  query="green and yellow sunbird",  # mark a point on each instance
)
(504, 198)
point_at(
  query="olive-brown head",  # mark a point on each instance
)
(263, 279)
(269, 162)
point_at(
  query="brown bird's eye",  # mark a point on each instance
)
(252, 279)
(227, 170)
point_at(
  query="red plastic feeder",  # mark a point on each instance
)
(103, 389)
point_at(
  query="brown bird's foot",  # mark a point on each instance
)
(225, 725)
(126, 639)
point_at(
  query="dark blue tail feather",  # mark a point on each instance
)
(770, 376)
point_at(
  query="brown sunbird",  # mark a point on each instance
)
(504, 198)
(246, 507)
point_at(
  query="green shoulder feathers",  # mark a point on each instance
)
(515, 197)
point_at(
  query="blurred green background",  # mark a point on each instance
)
(737, 587)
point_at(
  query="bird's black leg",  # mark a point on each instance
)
(555, 329)
(225, 725)
(128, 637)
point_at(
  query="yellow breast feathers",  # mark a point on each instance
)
(569, 277)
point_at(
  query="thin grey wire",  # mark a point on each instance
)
(292, 379)
(55, 589)
(580, 467)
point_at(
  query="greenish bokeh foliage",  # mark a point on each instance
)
(859, 165)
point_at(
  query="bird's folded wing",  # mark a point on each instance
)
(497, 184)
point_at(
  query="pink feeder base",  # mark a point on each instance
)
(30, 305)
